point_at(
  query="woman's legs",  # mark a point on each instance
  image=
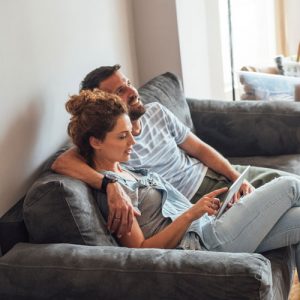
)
(243, 227)
(285, 232)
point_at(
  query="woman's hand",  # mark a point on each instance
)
(120, 210)
(209, 203)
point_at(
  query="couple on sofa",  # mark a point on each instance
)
(112, 128)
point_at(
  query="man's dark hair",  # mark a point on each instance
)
(95, 77)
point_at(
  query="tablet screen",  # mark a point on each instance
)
(234, 188)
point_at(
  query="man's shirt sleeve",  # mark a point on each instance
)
(178, 130)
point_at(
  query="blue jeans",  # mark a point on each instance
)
(268, 218)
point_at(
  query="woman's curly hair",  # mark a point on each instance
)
(93, 113)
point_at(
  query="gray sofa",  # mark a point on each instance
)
(65, 251)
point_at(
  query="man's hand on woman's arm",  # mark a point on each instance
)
(121, 211)
(72, 164)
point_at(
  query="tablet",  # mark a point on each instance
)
(231, 191)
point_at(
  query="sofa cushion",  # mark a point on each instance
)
(167, 90)
(60, 209)
(64, 271)
(248, 128)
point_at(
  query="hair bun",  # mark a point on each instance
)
(76, 103)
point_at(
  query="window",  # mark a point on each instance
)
(252, 37)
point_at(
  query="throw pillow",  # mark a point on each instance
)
(60, 209)
(167, 90)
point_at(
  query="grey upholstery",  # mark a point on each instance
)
(60, 209)
(56, 270)
(167, 89)
(66, 271)
(260, 133)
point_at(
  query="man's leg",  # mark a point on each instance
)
(211, 182)
(257, 176)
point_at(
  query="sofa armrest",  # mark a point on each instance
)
(65, 271)
(248, 128)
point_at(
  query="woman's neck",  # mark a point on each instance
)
(102, 165)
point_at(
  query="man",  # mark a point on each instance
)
(164, 145)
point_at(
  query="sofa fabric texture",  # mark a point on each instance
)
(12, 228)
(248, 128)
(124, 273)
(70, 255)
(60, 209)
(259, 133)
(167, 90)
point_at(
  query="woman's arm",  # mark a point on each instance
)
(170, 236)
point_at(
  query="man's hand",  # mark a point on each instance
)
(121, 211)
(245, 189)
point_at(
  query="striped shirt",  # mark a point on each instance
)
(157, 149)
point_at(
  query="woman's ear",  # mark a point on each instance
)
(95, 143)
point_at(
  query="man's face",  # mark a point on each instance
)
(118, 84)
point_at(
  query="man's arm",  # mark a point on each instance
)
(121, 211)
(195, 147)
(72, 164)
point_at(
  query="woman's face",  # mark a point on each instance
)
(117, 145)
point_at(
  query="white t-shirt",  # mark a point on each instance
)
(157, 149)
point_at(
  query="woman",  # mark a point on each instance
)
(266, 219)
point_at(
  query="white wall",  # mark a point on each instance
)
(46, 48)
(177, 36)
(156, 38)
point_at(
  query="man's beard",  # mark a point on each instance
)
(136, 112)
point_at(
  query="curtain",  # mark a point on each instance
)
(281, 27)
(287, 26)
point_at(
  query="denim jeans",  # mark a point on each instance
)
(266, 219)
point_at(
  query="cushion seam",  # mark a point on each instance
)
(7, 265)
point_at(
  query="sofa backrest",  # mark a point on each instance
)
(167, 89)
(61, 209)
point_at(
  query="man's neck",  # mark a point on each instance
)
(136, 127)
